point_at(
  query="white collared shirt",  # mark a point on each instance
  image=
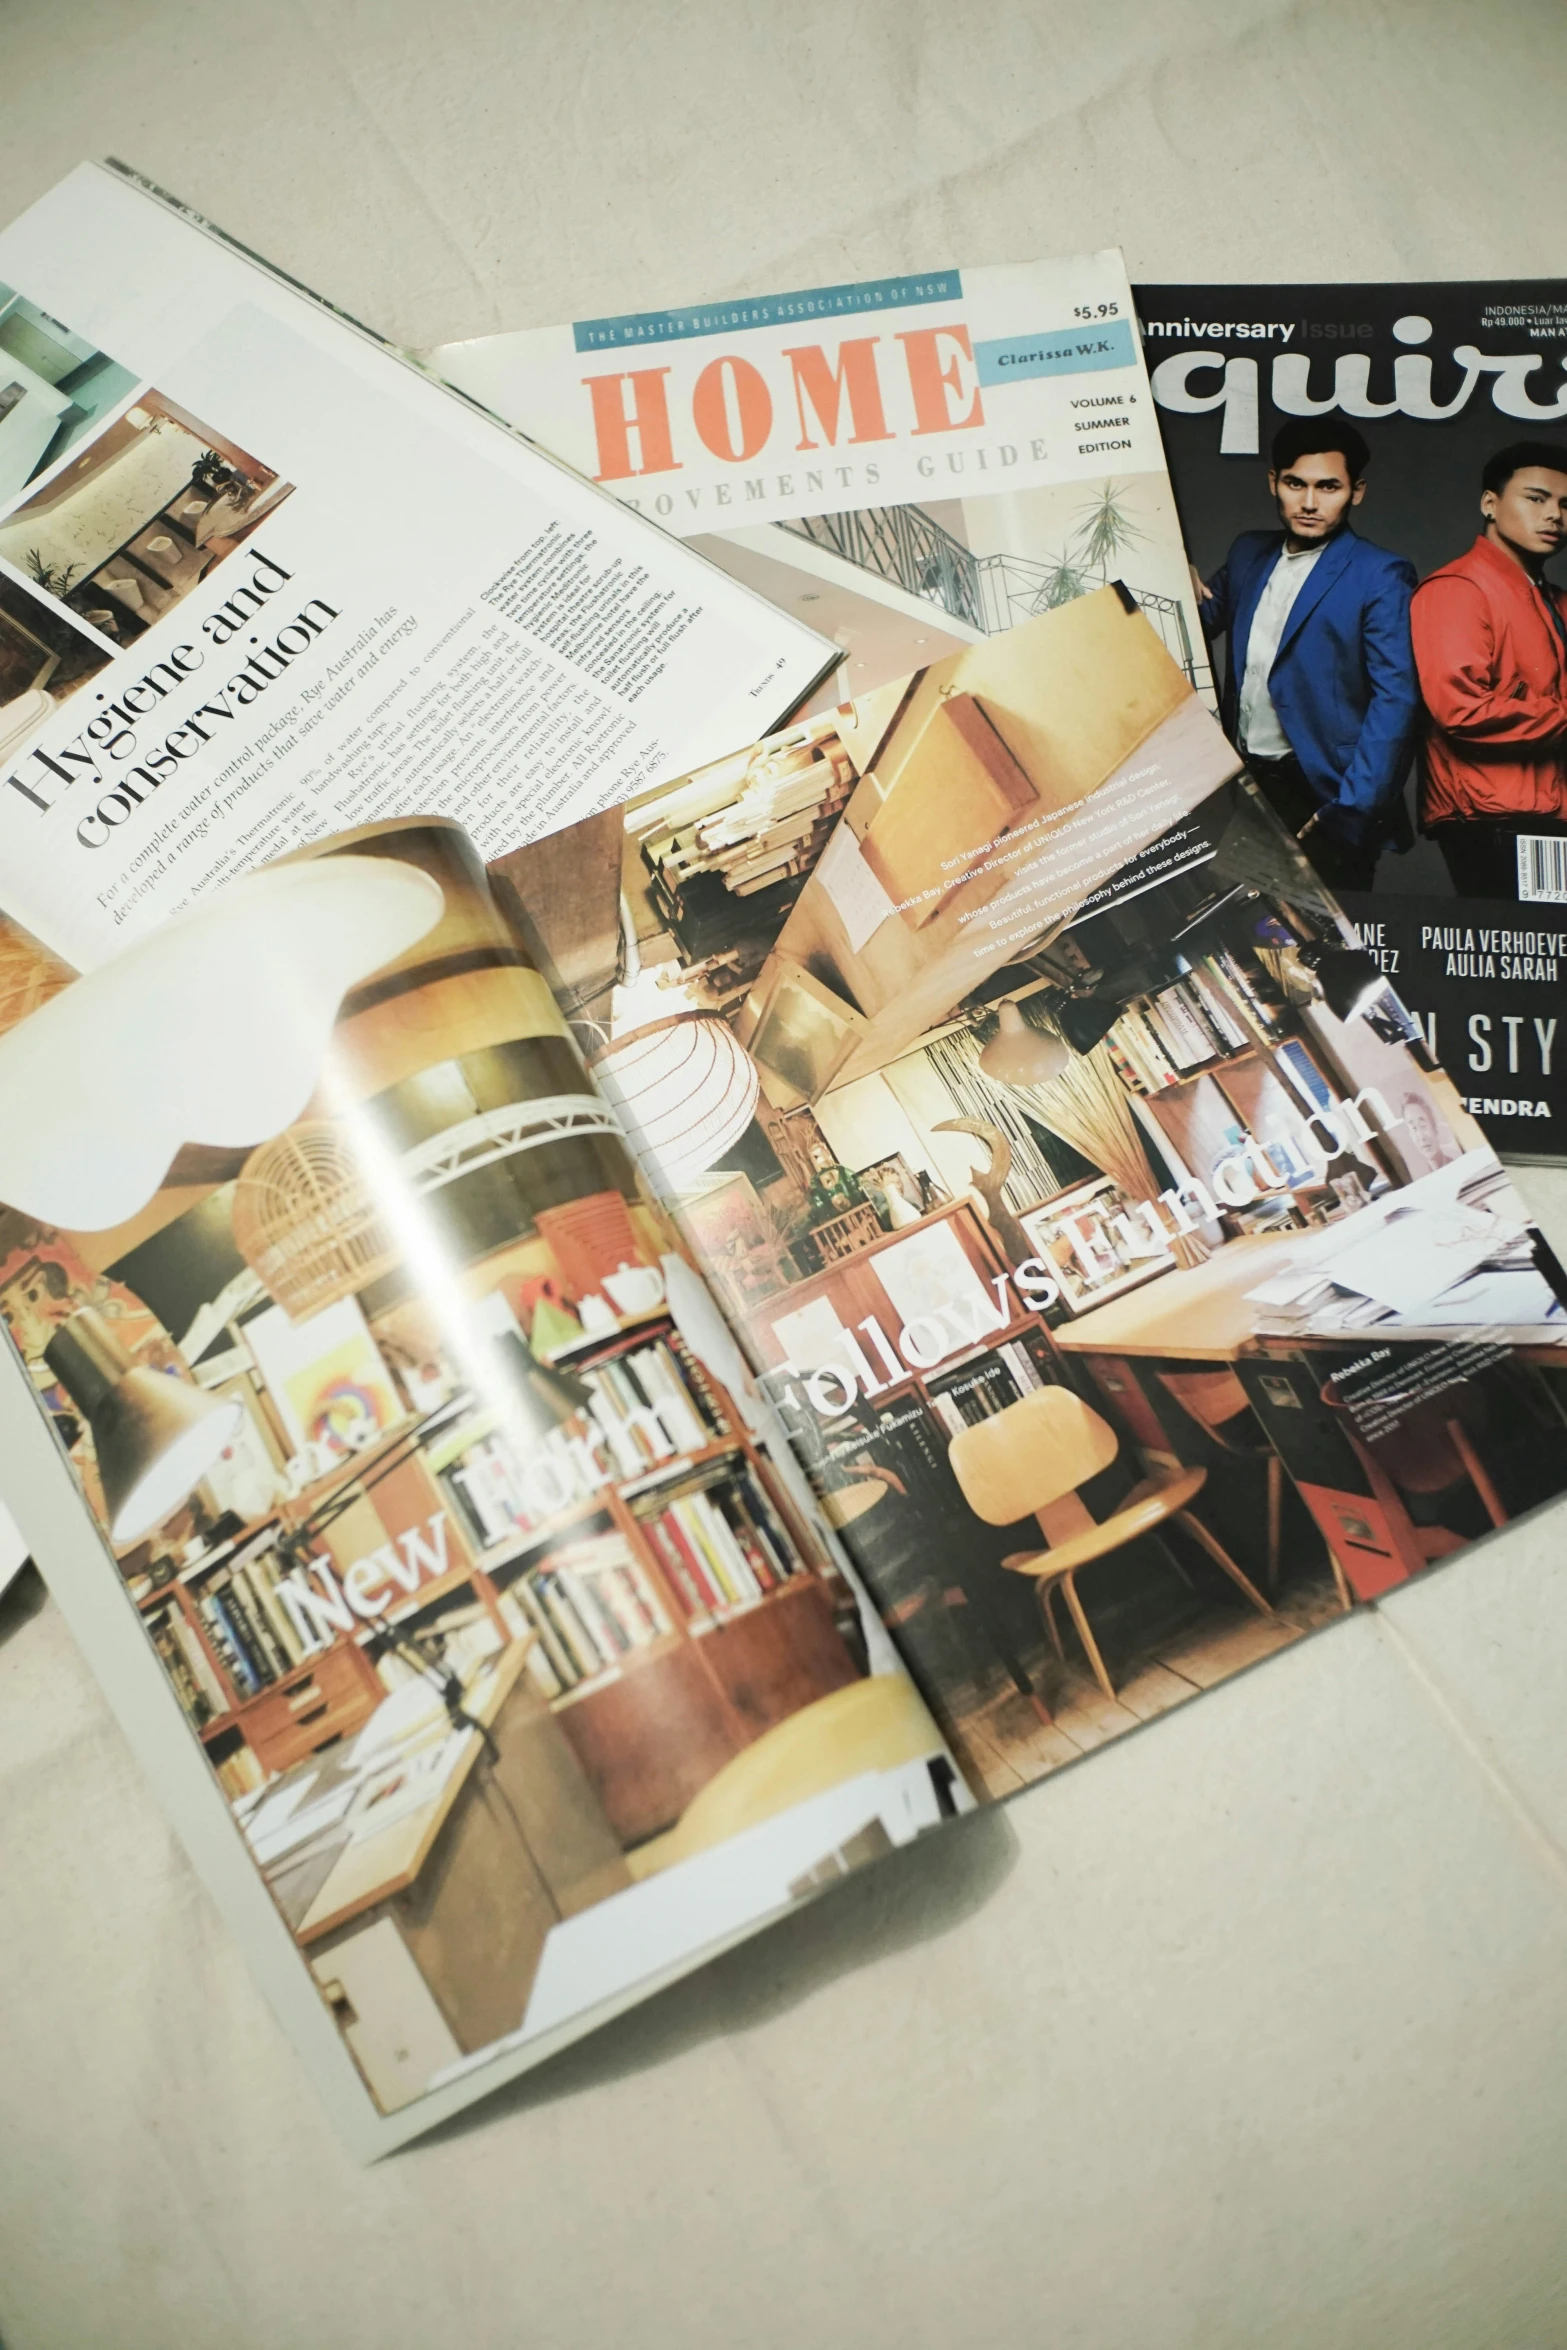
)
(1260, 731)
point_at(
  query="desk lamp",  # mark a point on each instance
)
(155, 1437)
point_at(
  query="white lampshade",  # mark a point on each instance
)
(212, 1029)
(1020, 1055)
(684, 1090)
(155, 1437)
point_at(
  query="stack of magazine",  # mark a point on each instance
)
(703, 1156)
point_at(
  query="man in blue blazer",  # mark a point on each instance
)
(1320, 697)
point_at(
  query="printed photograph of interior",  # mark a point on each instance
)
(44, 657)
(54, 386)
(471, 1554)
(896, 587)
(1132, 1276)
(133, 523)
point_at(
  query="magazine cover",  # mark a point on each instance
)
(261, 579)
(911, 464)
(1127, 1271)
(1373, 484)
(397, 1473)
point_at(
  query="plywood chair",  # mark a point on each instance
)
(905, 1576)
(1029, 1460)
(1219, 1404)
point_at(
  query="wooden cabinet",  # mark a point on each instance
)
(651, 1738)
(777, 1658)
(519, 1843)
(322, 1701)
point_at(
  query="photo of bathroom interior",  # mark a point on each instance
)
(146, 509)
(54, 387)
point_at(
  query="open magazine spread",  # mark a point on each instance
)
(911, 464)
(1425, 667)
(261, 579)
(1131, 1278)
(1072, 1279)
(436, 1504)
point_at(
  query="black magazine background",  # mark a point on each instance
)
(1489, 974)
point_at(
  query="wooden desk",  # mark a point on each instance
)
(1204, 1315)
(1197, 1314)
(426, 1935)
(374, 1868)
(1201, 1313)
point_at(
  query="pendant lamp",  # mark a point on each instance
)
(212, 1029)
(1022, 1055)
(684, 1090)
(155, 1437)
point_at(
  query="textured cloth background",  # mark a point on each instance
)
(1253, 2032)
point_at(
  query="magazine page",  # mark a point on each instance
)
(13, 1550)
(403, 1483)
(909, 463)
(261, 579)
(1414, 702)
(1131, 1278)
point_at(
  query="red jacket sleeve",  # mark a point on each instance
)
(1455, 655)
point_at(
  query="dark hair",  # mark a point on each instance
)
(1499, 470)
(1303, 436)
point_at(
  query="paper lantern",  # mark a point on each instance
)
(684, 1090)
(304, 1223)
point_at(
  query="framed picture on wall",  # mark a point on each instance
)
(737, 1243)
(326, 1376)
(1091, 1263)
(894, 1177)
(797, 1031)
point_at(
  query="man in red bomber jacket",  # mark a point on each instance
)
(1490, 639)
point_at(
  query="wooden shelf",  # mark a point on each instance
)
(632, 1327)
(636, 1703)
(798, 1581)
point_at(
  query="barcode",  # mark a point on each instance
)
(1542, 868)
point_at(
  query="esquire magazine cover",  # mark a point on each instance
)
(1372, 480)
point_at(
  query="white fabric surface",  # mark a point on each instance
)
(1251, 2032)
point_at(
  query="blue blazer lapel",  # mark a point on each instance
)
(1330, 565)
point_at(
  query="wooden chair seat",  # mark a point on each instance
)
(1031, 1458)
(1147, 1507)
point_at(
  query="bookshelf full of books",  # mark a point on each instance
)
(688, 1529)
(678, 1530)
(1215, 1009)
(259, 1691)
